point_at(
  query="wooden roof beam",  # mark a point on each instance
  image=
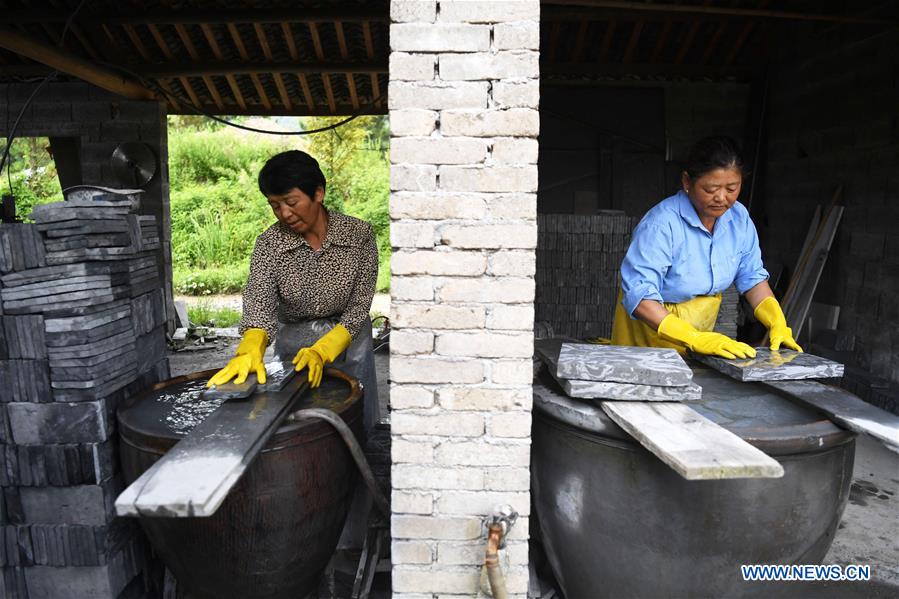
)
(632, 42)
(319, 53)
(200, 17)
(267, 52)
(370, 52)
(727, 11)
(344, 54)
(27, 46)
(200, 69)
(195, 56)
(242, 50)
(167, 52)
(294, 55)
(217, 52)
(691, 71)
(278, 110)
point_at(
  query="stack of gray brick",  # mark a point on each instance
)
(83, 326)
(578, 261)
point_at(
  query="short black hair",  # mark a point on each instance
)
(710, 153)
(288, 170)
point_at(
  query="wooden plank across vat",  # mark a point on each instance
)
(195, 476)
(694, 446)
(845, 409)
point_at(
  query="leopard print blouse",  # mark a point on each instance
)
(291, 282)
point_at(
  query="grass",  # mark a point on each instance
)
(210, 316)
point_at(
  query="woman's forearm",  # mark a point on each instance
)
(651, 312)
(758, 293)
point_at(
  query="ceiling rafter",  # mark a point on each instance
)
(661, 39)
(267, 52)
(217, 52)
(167, 52)
(242, 51)
(195, 56)
(370, 53)
(138, 44)
(319, 53)
(344, 54)
(632, 42)
(370, 12)
(607, 40)
(580, 41)
(294, 55)
(65, 62)
(706, 9)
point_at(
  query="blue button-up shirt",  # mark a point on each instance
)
(673, 257)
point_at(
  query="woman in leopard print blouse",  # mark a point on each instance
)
(312, 279)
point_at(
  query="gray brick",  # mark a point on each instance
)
(84, 422)
(90, 505)
(87, 582)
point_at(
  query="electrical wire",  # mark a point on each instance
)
(196, 109)
(11, 133)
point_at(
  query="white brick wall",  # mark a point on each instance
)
(463, 98)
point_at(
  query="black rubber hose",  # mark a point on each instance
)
(350, 439)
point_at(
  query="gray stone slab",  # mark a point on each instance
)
(24, 337)
(87, 254)
(84, 227)
(100, 316)
(616, 363)
(780, 365)
(548, 351)
(25, 381)
(58, 289)
(151, 348)
(76, 544)
(51, 273)
(90, 335)
(84, 422)
(88, 241)
(98, 392)
(629, 391)
(141, 261)
(181, 312)
(61, 212)
(93, 348)
(92, 361)
(75, 304)
(81, 504)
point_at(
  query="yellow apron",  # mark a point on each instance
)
(701, 312)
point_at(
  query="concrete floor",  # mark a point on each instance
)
(869, 532)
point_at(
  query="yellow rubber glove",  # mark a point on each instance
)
(322, 352)
(677, 330)
(249, 358)
(770, 314)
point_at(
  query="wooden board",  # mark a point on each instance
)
(195, 476)
(845, 409)
(694, 446)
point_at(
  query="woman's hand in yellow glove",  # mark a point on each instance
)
(249, 358)
(680, 331)
(770, 314)
(322, 352)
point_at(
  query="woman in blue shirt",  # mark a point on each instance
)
(687, 250)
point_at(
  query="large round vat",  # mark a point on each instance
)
(617, 522)
(275, 532)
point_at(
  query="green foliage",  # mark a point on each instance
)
(32, 173)
(206, 315)
(217, 210)
(231, 278)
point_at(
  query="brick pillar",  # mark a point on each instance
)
(464, 122)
